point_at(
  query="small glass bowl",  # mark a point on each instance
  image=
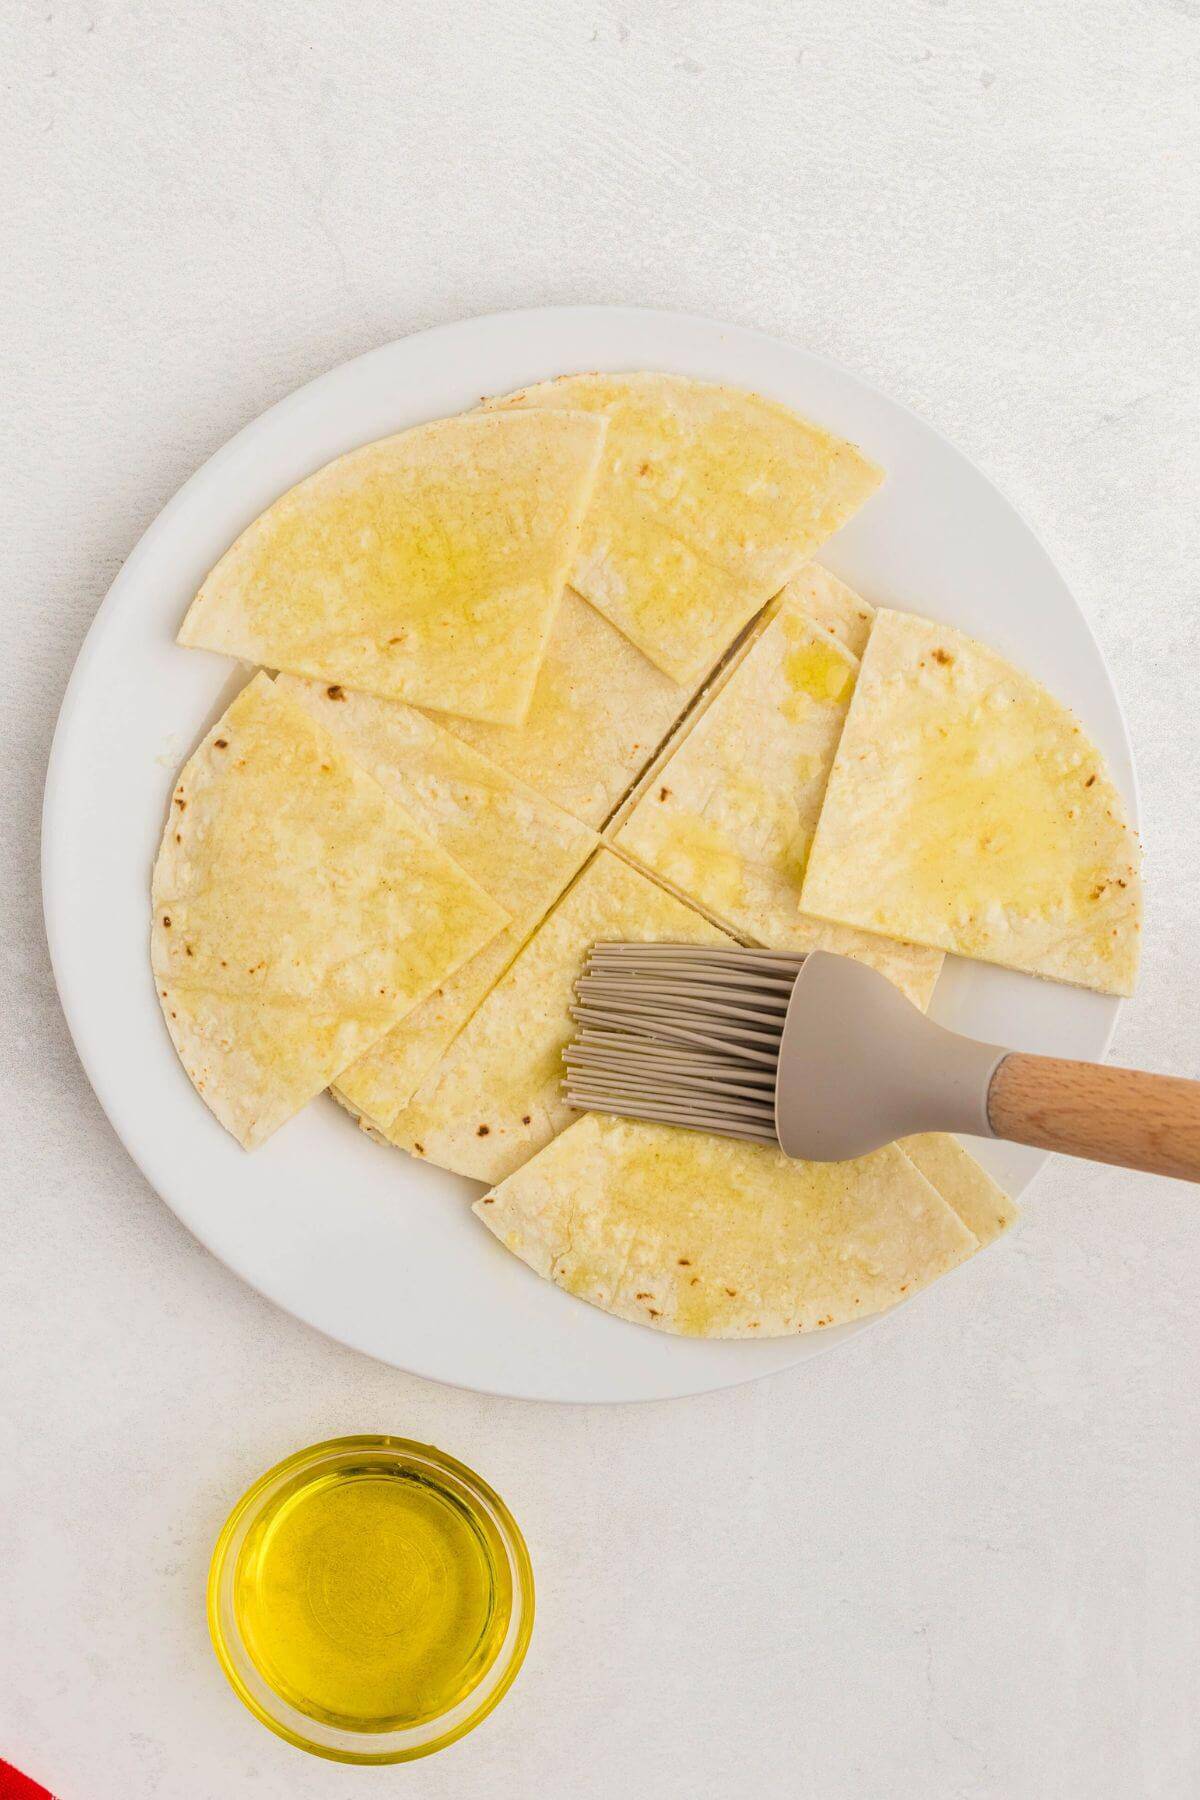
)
(389, 1745)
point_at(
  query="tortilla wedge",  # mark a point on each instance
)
(520, 848)
(707, 1237)
(829, 603)
(599, 711)
(426, 567)
(298, 912)
(256, 1062)
(496, 1096)
(963, 1183)
(728, 819)
(709, 499)
(966, 810)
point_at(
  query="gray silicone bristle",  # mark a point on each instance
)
(683, 1034)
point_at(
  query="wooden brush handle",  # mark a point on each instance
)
(1120, 1116)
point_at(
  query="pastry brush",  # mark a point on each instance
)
(824, 1057)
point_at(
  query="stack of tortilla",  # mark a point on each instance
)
(561, 670)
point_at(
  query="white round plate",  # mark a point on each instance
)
(371, 1247)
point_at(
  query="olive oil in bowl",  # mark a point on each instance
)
(370, 1599)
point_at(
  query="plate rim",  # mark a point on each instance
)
(122, 591)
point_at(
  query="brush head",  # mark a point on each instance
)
(817, 1053)
(681, 1033)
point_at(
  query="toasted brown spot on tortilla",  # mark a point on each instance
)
(335, 692)
(167, 921)
(482, 1130)
(942, 656)
(664, 793)
(220, 743)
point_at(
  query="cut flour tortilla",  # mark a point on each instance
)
(496, 1096)
(963, 1183)
(426, 567)
(256, 1062)
(829, 603)
(298, 911)
(708, 1237)
(599, 711)
(709, 499)
(713, 685)
(519, 847)
(729, 817)
(966, 810)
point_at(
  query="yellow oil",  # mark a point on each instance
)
(372, 1599)
(820, 671)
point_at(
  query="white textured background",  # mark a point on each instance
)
(960, 1557)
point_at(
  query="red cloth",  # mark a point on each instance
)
(15, 1786)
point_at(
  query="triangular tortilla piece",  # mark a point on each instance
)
(298, 913)
(287, 873)
(709, 499)
(968, 811)
(963, 1183)
(689, 719)
(496, 1096)
(426, 567)
(521, 849)
(836, 608)
(256, 1062)
(728, 819)
(600, 709)
(707, 1237)
(810, 594)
